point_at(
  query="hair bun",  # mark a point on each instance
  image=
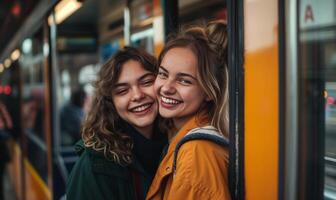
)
(217, 35)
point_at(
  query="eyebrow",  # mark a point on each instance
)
(146, 75)
(120, 85)
(179, 74)
(139, 79)
(163, 69)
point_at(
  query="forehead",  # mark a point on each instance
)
(131, 70)
(180, 60)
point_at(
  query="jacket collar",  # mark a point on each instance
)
(166, 166)
(196, 121)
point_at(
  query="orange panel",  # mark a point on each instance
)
(261, 99)
(15, 170)
(36, 188)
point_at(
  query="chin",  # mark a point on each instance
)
(167, 115)
(145, 122)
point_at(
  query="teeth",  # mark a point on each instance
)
(141, 108)
(170, 101)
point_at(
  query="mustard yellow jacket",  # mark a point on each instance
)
(201, 169)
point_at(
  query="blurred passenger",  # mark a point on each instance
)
(72, 115)
(5, 125)
(192, 89)
(122, 143)
(30, 110)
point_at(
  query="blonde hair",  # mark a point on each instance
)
(209, 44)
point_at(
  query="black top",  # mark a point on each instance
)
(95, 177)
(147, 151)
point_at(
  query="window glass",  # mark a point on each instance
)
(142, 34)
(77, 63)
(197, 11)
(32, 65)
(317, 39)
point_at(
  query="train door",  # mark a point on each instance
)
(256, 26)
(184, 13)
(74, 62)
(316, 102)
(35, 115)
(10, 96)
(308, 140)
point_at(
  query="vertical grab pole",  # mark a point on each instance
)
(127, 23)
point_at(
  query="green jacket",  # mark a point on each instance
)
(95, 178)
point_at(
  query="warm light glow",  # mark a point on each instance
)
(1, 67)
(325, 94)
(8, 63)
(15, 55)
(158, 30)
(64, 9)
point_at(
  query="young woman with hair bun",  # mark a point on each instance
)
(192, 90)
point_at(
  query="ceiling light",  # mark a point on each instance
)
(8, 63)
(15, 55)
(64, 9)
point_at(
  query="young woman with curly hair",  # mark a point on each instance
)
(121, 144)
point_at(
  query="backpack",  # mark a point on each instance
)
(208, 133)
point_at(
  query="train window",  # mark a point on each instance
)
(317, 83)
(32, 64)
(142, 24)
(76, 63)
(111, 27)
(197, 11)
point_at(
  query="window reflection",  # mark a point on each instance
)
(318, 80)
(33, 106)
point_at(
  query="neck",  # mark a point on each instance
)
(147, 131)
(178, 124)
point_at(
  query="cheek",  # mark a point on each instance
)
(192, 94)
(150, 91)
(157, 85)
(119, 104)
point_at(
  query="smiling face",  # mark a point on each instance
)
(179, 93)
(134, 97)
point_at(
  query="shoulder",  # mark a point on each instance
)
(202, 166)
(201, 147)
(96, 162)
(202, 150)
(202, 143)
(82, 167)
(93, 176)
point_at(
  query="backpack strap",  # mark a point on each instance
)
(208, 133)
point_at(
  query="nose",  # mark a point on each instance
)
(168, 88)
(138, 94)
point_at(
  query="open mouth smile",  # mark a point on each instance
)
(169, 102)
(141, 109)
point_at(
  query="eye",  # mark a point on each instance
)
(147, 82)
(184, 81)
(162, 75)
(120, 91)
